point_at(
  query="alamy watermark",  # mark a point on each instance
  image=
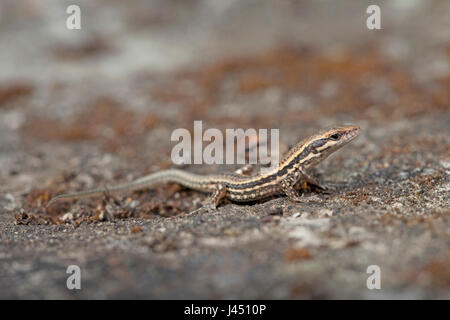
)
(74, 280)
(73, 21)
(374, 19)
(374, 280)
(250, 144)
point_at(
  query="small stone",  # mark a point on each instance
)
(11, 202)
(67, 217)
(275, 211)
(305, 215)
(397, 205)
(304, 236)
(355, 230)
(404, 174)
(136, 229)
(133, 204)
(326, 212)
(445, 164)
(428, 172)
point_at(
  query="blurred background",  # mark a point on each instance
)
(159, 65)
(81, 108)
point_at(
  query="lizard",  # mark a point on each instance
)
(239, 186)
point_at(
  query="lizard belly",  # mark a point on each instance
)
(253, 194)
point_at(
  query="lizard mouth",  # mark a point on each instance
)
(352, 133)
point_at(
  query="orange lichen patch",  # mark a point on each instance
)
(295, 254)
(254, 73)
(435, 274)
(169, 93)
(350, 66)
(290, 68)
(38, 197)
(412, 220)
(136, 229)
(142, 204)
(255, 81)
(150, 121)
(441, 96)
(46, 129)
(427, 182)
(105, 119)
(194, 110)
(408, 145)
(23, 218)
(13, 91)
(254, 121)
(356, 77)
(357, 197)
(210, 77)
(355, 73)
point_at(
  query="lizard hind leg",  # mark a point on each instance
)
(218, 194)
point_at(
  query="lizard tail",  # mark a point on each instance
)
(173, 175)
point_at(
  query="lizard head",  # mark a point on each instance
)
(324, 143)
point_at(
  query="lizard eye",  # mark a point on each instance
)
(334, 136)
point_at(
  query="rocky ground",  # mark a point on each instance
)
(85, 108)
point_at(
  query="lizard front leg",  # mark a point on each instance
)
(312, 181)
(288, 183)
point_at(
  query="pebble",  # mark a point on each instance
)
(404, 174)
(67, 216)
(428, 171)
(325, 212)
(305, 237)
(445, 164)
(397, 205)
